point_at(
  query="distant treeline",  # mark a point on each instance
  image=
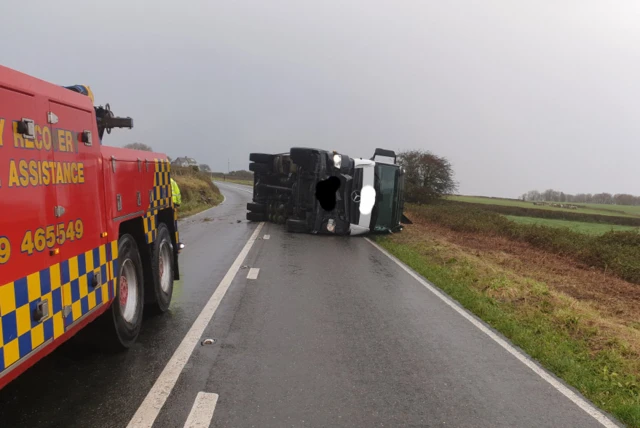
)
(551, 195)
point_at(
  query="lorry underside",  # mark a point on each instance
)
(317, 191)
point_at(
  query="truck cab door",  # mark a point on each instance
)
(86, 266)
(30, 293)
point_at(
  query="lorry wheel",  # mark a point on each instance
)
(255, 216)
(260, 157)
(162, 267)
(260, 167)
(256, 208)
(126, 308)
(297, 226)
(304, 158)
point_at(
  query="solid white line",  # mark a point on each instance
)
(157, 396)
(563, 389)
(266, 237)
(202, 411)
(253, 273)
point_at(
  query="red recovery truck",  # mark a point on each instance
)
(87, 232)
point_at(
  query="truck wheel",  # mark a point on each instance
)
(260, 157)
(305, 158)
(126, 308)
(162, 268)
(256, 208)
(260, 167)
(297, 226)
(255, 216)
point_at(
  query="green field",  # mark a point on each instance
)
(576, 226)
(610, 210)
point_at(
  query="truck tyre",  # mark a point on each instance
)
(125, 312)
(255, 216)
(260, 157)
(297, 226)
(260, 168)
(304, 158)
(162, 268)
(255, 207)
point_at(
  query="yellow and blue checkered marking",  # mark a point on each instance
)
(67, 284)
(160, 198)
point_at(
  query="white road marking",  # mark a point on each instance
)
(236, 187)
(157, 396)
(202, 411)
(253, 273)
(266, 237)
(563, 389)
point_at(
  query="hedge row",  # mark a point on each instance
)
(551, 214)
(617, 252)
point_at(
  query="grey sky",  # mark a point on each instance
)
(517, 94)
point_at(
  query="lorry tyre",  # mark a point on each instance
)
(162, 268)
(304, 158)
(260, 167)
(255, 216)
(255, 207)
(296, 226)
(260, 157)
(125, 312)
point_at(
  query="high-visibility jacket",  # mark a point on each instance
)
(175, 193)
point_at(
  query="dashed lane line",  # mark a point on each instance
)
(150, 408)
(253, 273)
(201, 413)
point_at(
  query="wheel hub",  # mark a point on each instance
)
(124, 291)
(128, 291)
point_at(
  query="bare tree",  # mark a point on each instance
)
(204, 167)
(427, 176)
(138, 146)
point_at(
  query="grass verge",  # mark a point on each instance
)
(198, 191)
(575, 340)
(576, 226)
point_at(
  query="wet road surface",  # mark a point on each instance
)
(311, 331)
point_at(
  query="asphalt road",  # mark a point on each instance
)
(325, 332)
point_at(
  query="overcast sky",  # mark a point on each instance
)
(519, 95)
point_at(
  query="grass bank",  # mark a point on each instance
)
(575, 226)
(615, 252)
(556, 311)
(198, 191)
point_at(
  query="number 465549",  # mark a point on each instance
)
(51, 235)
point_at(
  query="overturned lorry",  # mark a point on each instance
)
(318, 191)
